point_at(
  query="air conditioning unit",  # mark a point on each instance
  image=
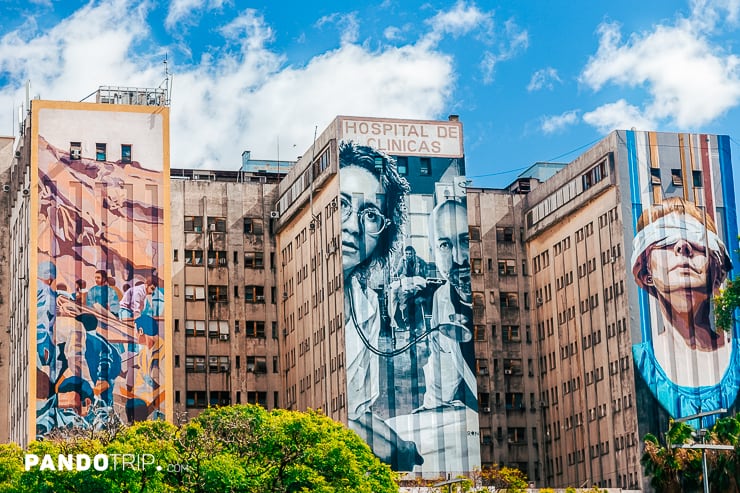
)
(212, 227)
(6, 188)
(259, 298)
(508, 372)
(285, 295)
(274, 214)
(26, 192)
(312, 226)
(224, 337)
(486, 409)
(75, 154)
(539, 301)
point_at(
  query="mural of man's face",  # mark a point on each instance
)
(362, 203)
(450, 243)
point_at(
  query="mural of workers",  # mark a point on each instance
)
(100, 230)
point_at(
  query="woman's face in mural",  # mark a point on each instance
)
(679, 266)
(362, 203)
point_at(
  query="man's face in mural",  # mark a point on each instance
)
(679, 266)
(99, 279)
(451, 246)
(362, 206)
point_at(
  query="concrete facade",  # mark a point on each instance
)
(225, 343)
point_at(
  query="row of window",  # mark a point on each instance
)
(219, 258)
(222, 364)
(198, 398)
(220, 328)
(568, 192)
(101, 152)
(194, 224)
(220, 293)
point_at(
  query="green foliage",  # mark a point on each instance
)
(570, 489)
(231, 449)
(725, 304)
(674, 469)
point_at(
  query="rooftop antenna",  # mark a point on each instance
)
(167, 82)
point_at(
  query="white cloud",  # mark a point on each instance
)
(187, 10)
(392, 33)
(239, 96)
(347, 23)
(460, 20)
(555, 123)
(543, 79)
(688, 80)
(618, 115)
(89, 49)
(514, 41)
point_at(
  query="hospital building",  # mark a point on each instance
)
(370, 278)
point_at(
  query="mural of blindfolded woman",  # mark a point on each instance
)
(679, 260)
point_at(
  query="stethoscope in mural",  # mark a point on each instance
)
(456, 329)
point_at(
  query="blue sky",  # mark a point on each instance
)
(531, 81)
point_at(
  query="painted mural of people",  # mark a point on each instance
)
(447, 371)
(371, 206)
(102, 296)
(680, 261)
(136, 299)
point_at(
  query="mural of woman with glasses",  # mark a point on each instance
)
(372, 210)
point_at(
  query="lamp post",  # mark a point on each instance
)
(702, 433)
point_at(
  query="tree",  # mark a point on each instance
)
(283, 451)
(229, 449)
(726, 303)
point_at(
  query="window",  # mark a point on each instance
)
(218, 294)
(481, 366)
(257, 398)
(505, 235)
(218, 364)
(194, 293)
(195, 327)
(479, 332)
(474, 233)
(125, 153)
(195, 398)
(252, 226)
(425, 168)
(195, 364)
(477, 265)
(676, 177)
(219, 328)
(510, 333)
(509, 300)
(217, 224)
(402, 163)
(193, 224)
(655, 176)
(696, 178)
(193, 257)
(254, 294)
(507, 267)
(254, 260)
(100, 152)
(75, 151)
(217, 258)
(256, 364)
(255, 328)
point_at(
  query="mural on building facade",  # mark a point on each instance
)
(100, 296)
(411, 388)
(684, 248)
